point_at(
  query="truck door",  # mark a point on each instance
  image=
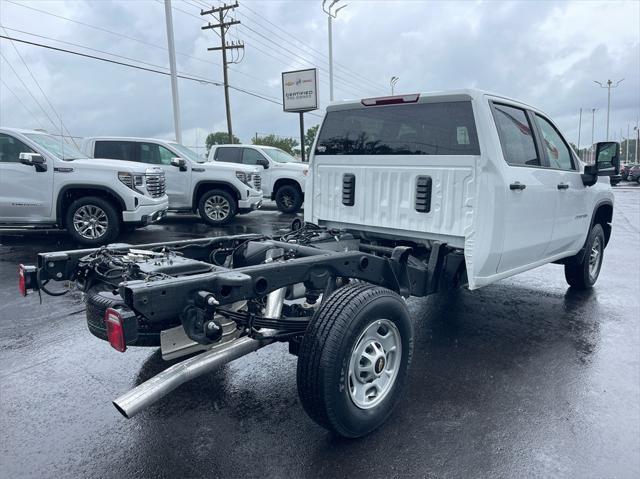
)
(530, 191)
(251, 156)
(26, 195)
(178, 182)
(572, 218)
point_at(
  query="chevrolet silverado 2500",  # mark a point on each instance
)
(407, 195)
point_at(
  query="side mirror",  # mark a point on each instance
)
(607, 158)
(263, 162)
(179, 163)
(33, 159)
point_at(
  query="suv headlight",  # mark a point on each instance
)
(130, 180)
(244, 177)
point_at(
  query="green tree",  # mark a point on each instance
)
(310, 137)
(286, 144)
(219, 138)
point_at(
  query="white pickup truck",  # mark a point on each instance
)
(407, 195)
(283, 177)
(218, 192)
(46, 182)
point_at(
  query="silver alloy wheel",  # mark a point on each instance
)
(595, 258)
(217, 208)
(286, 200)
(90, 222)
(374, 363)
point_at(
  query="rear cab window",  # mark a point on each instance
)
(442, 128)
(229, 154)
(115, 150)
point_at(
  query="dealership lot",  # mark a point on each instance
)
(522, 378)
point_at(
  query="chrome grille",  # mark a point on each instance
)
(156, 184)
(257, 181)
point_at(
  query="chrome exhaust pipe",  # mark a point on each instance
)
(142, 396)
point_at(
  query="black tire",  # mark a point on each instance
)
(289, 199)
(581, 274)
(324, 361)
(97, 300)
(222, 198)
(109, 215)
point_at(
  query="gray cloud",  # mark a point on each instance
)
(545, 53)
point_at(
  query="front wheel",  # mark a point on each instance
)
(289, 199)
(92, 221)
(584, 274)
(354, 359)
(217, 207)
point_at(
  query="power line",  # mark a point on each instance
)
(309, 47)
(24, 85)
(23, 104)
(62, 125)
(138, 67)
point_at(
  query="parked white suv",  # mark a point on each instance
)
(283, 177)
(217, 191)
(47, 182)
(485, 174)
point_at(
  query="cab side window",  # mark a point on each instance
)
(10, 149)
(115, 150)
(516, 136)
(251, 156)
(556, 149)
(155, 154)
(229, 154)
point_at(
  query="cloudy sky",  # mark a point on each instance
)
(546, 53)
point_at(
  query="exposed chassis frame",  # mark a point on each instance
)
(317, 268)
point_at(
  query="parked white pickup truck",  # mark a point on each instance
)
(283, 177)
(408, 195)
(217, 191)
(47, 182)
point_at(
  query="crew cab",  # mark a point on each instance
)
(44, 181)
(407, 196)
(283, 177)
(218, 192)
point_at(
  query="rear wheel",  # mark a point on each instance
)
(354, 359)
(289, 199)
(92, 221)
(583, 274)
(217, 207)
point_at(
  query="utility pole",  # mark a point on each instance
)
(609, 85)
(224, 46)
(330, 16)
(579, 130)
(174, 75)
(628, 138)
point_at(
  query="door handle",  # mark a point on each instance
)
(517, 186)
(563, 186)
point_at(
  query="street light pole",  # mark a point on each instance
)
(172, 67)
(393, 82)
(331, 14)
(579, 130)
(609, 85)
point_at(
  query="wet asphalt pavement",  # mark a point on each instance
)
(524, 378)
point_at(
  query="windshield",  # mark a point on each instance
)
(56, 146)
(187, 153)
(279, 155)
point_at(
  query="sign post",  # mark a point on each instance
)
(300, 94)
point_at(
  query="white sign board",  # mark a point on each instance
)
(300, 90)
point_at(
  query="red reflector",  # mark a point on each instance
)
(21, 281)
(115, 329)
(391, 100)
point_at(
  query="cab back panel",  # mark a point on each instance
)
(389, 149)
(385, 194)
